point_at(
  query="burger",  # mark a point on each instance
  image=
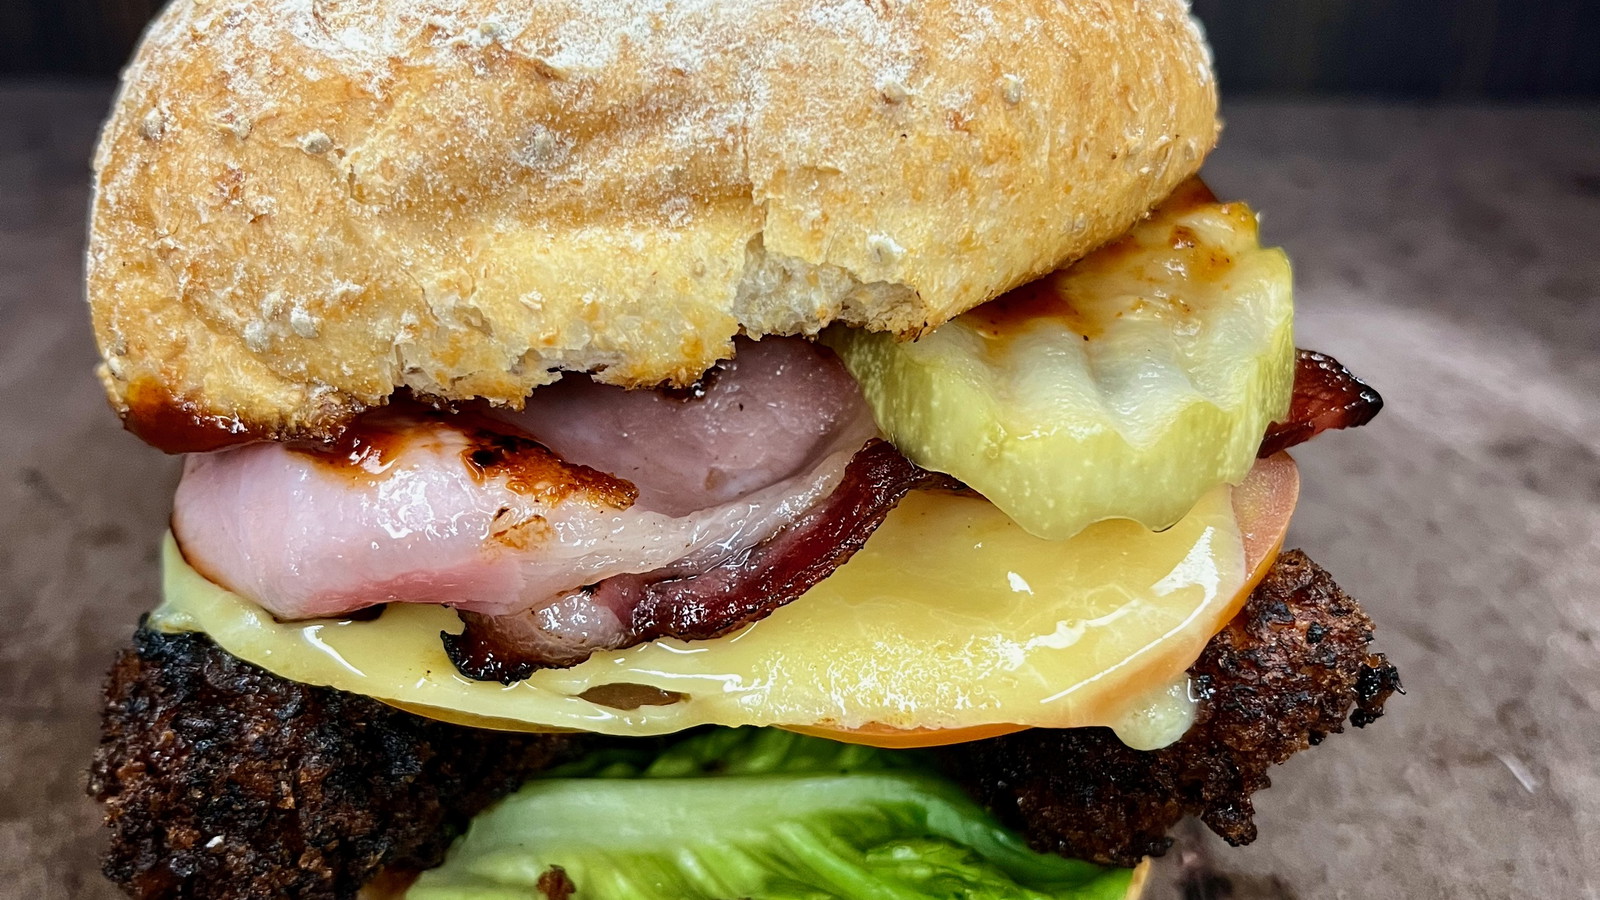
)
(701, 449)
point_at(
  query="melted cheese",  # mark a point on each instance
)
(950, 617)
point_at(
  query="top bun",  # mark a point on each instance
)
(304, 205)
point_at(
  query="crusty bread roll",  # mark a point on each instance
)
(304, 205)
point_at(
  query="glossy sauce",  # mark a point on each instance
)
(174, 425)
(1043, 299)
(365, 451)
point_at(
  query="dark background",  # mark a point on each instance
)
(1423, 49)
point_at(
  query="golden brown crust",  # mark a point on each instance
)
(305, 204)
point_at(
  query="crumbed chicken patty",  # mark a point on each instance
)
(1283, 675)
(224, 781)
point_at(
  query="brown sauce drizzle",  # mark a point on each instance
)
(177, 425)
(368, 448)
(1042, 299)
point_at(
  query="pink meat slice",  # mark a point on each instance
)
(499, 513)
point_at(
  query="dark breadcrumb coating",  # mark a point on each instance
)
(223, 780)
(1282, 676)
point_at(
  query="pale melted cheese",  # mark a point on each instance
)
(950, 617)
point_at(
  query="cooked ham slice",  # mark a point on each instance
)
(502, 513)
(696, 603)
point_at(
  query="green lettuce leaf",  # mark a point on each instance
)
(760, 813)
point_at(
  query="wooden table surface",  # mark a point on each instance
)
(1448, 256)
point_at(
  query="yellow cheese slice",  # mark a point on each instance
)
(951, 616)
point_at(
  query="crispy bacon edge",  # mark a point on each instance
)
(1326, 396)
(743, 588)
